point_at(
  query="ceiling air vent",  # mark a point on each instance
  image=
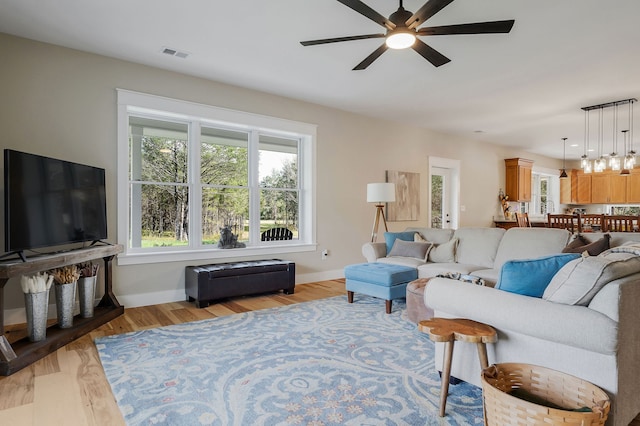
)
(174, 52)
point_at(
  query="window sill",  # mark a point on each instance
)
(139, 258)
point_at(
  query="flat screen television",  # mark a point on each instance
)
(50, 202)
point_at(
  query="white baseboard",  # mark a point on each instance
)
(178, 295)
(18, 316)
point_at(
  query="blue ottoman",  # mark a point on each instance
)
(380, 280)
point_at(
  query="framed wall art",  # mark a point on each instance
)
(407, 204)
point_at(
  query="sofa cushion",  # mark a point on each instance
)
(490, 276)
(580, 244)
(445, 252)
(478, 246)
(529, 243)
(390, 238)
(579, 280)
(403, 261)
(416, 250)
(530, 277)
(430, 270)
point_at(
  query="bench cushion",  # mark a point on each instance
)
(243, 268)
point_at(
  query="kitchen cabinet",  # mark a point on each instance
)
(565, 189)
(600, 188)
(582, 188)
(608, 187)
(633, 186)
(518, 179)
(618, 188)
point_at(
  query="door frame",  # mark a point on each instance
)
(453, 187)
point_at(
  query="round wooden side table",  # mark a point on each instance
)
(448, 330)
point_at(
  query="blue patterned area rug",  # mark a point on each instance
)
(325, 362)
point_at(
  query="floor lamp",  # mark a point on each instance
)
(380, 193)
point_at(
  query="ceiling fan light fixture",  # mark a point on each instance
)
(400, 40)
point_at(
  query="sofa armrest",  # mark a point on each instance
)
(576, 326)
(374, 251)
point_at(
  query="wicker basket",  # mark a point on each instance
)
(501, 408)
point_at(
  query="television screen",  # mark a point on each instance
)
(51, 202)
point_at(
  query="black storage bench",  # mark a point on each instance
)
(206, 283)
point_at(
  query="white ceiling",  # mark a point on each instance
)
(523, 89)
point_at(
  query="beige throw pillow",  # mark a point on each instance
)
(445, 252)
(419, 238)
(579, 280)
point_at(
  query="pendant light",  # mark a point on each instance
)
(631, 153)
(563, 172)
(585, 163)
(600, 164)
(614, 160)
(627, 162)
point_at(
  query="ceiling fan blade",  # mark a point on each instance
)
(429, 53)
(474, 28)
(427, 10)
(338, 39)
(366, 11)
(369, 59)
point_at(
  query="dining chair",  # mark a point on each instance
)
(563, 221)
(590, 222)
(621, 223)
(523, 220)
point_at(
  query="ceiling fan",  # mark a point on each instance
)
(403, 32)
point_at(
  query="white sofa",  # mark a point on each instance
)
(599, 342)
(479, 251)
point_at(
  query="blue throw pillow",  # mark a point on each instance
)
(390, 238)
(530, 277)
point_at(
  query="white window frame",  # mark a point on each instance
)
(158, 107)
(553, 190)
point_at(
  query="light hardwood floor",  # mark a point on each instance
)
(68, 387)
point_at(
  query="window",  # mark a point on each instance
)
(545, 194)
(188, 173)
(625, 210)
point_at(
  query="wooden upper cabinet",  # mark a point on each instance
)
(583, 188)
(518, 179)
(618, 188)
(600, 188)
(633, 186)
(565, 189)
(603, 188)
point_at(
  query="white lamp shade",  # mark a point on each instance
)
(381, 192)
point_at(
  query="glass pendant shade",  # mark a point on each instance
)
(588, 168)
(614, 161)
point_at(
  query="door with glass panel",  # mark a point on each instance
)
(441, 198)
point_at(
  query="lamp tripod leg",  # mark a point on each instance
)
(376, 222)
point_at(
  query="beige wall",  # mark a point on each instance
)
(62, 103)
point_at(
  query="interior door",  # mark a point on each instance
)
(441, 194)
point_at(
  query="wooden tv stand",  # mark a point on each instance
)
(22, 353)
